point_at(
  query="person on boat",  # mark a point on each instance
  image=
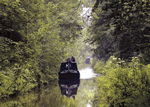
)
(73, 59)
(68, 60)
(68, 63)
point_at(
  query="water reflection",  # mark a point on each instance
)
(87, 73)
(59, 93)
(69, 87)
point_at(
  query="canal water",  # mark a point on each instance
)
(71, 93)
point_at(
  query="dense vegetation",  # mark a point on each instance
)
(50, 96)
(35, 37)
(122, 84)
(121, 28)
(120, 32)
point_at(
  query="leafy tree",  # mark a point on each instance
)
(121, 28)
(33, 41)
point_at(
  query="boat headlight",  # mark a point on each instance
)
(63, 71)
(75, 71)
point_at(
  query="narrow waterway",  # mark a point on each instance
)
(79, 94)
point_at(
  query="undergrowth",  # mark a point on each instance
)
(122, 84)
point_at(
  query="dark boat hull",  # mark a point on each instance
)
(69, 75)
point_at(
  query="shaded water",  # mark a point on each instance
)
(78, 94)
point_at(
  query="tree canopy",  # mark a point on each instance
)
(121, 28)
(34, 37)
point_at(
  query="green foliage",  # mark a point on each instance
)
(121, 28)
(50, 96)
(123, 84)
(34, 37)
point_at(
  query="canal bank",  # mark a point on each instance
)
(50, 95)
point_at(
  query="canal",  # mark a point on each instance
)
(71, 93)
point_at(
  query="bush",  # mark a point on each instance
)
(123, 85)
